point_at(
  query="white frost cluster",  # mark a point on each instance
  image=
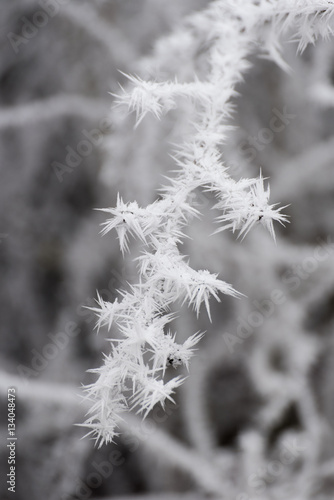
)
(133, 374)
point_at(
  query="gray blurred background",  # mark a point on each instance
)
(263, 378)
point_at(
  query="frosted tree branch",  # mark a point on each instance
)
(233, 30)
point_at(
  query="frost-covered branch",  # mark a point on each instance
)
(133, 374)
